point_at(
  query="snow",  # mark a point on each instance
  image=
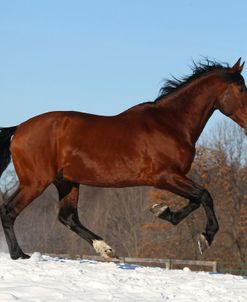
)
(9, 181)
(42, 278)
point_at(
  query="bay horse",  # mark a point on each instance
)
(151, 144)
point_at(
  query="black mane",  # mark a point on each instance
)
(197, 70)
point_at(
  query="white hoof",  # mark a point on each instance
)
(103, 249)
(158, 209)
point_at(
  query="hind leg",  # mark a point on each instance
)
(68, 215)
(9, 212)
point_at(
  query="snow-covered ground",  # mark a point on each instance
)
(51, 279)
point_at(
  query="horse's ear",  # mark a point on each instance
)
(241, 67)
(236, 67)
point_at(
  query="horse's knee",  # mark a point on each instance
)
(205, 197)
(174, 221)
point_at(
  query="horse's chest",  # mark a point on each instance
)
(178, 157)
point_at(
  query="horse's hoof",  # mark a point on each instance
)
(19, 255)
(109, 254)
(160, 209)
(202, 243)
(25, 256)
(104, 249)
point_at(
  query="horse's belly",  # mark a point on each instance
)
(108, 173)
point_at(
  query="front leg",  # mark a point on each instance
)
(162, 211)
(196, 195)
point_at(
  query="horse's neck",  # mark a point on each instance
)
(188, 110)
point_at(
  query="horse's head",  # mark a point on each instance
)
(233, 97)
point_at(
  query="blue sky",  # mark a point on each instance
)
(105, 56)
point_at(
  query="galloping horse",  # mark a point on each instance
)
(150, 144)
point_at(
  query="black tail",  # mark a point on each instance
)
(5, 139)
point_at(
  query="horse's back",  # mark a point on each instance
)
(75, 143)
